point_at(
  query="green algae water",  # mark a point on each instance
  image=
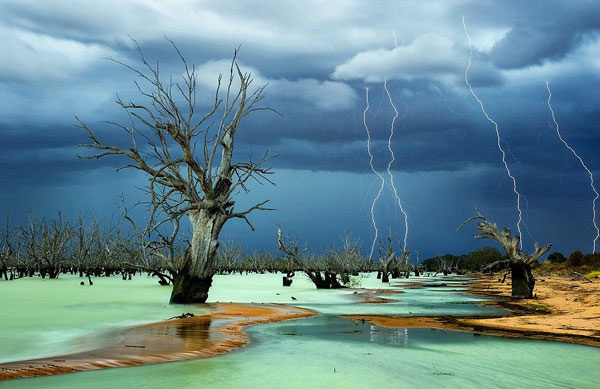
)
(330, 352)
(320, 352)
(41, 318)
(422, 301)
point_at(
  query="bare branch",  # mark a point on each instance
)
(181, 151)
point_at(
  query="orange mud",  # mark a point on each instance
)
(176, 340)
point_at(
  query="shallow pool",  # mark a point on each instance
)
(331, 352)
(320, 352)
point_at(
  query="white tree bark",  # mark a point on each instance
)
(189, 158)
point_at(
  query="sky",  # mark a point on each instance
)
(318, 58)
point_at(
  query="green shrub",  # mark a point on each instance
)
(556, 257)
(592, 260)
(593, 274)
(575, 259)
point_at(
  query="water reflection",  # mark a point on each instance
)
(158, 342)
(393, 336)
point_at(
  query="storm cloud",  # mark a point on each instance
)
(316, 61)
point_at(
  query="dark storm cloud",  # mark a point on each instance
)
(559, 30)
(317, 61)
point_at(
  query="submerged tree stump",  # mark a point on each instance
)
(188, 289)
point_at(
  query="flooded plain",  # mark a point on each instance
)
(53, 317)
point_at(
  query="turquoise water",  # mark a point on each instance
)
(267, 288)
(328, 351)
(42, 318)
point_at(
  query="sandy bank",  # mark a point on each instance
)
(175, 340)
(564, 309)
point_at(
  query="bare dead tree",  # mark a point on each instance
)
(169, 254)
(446, 264)
(6, 251)
(229, 257)
(83, 244)
(327, 280)
(153, 251)
(188, 158)
(47, 244)
(348, 260)
(518, 261)
(390, 263)
(387, 256)
(418, 267)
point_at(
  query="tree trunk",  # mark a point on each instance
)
(385, 270)
(385, 276)
(193, 282)
(327, 281)
(53, 273)
(522, 280)
(189, 289)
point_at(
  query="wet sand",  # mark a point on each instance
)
(174, 340)
(402, 321)
(565, 309)
(373, 296)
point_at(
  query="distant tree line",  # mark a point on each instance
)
(475, 260)
(470, 262)
(576, 260)
(48, 248)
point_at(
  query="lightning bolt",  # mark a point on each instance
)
(514, 181)
(392, 161)
(582, 164)
(374, 171)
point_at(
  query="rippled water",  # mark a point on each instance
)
(321, 352)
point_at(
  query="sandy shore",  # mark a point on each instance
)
(175, 340)
(565, 309)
